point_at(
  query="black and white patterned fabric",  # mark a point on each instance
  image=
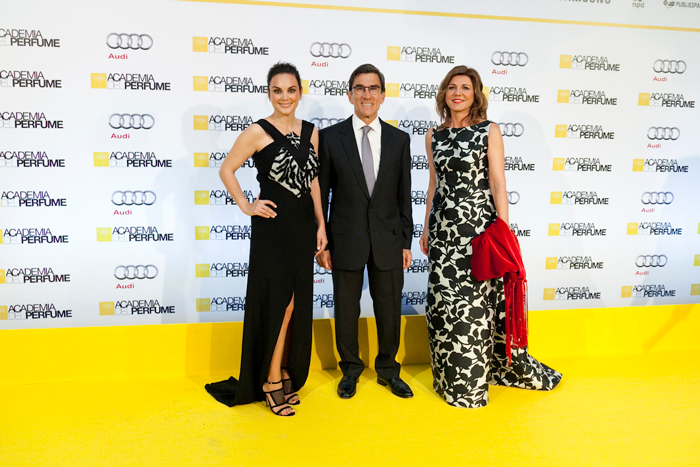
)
(286, 171)
(465, 317)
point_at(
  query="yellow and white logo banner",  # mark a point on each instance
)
(114, 126)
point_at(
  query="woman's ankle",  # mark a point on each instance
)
(271, 386)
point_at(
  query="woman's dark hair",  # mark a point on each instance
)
(282, 68)
(478, 109)
(366, 68)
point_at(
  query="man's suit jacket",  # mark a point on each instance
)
(358, 223)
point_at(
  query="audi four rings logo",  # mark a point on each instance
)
(663, 132)
(322, 123)
(330, 50)
(513, 197)
(670, 66)
(657, 197)
(512, 129)
(125, 41)
(509, 58)
(135, 272)
(133, 198)
(651, 261)
(132, 121)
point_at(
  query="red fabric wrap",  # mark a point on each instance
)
(496, 253)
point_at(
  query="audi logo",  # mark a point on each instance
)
(319, 271)
(133, 198)
(651, 261)
(322, 123)
(135, 272)
(657, 197)
(513, 197)
(132, 121)
(670, 66)
(330, 50)
(664, 132)
(512, 129)
(509, 58)
(125, 41)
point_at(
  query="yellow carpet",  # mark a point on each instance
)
(624, 410)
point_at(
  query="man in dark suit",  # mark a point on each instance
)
(366, 167)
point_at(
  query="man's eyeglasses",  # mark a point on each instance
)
(360, 90)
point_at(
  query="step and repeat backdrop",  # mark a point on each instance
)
(114, 122)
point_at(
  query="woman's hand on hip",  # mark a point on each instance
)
(260, 207)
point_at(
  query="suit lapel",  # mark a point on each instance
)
(349, 144)
(387, 146)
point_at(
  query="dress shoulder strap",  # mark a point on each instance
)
(282, 140)
(307, 129)
(270, 129)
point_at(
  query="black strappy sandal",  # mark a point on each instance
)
(277, 397)
(289, 391)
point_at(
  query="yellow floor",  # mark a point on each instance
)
(634, 410)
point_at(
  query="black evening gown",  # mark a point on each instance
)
(280, 266)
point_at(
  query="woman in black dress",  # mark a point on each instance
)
(288, 229)
(467, 191)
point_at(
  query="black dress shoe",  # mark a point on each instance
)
(397, 385)
(347, 387)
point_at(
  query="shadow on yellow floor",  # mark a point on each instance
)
(634, 410)
(679, 314)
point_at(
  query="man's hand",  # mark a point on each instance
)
(324, 260)
(407, 257)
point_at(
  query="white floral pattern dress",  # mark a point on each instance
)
(466, 317)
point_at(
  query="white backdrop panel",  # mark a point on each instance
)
(599, 126)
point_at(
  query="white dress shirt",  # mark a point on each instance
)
(374, 136)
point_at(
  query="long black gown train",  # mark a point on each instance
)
(466, 317)
(281, 265)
